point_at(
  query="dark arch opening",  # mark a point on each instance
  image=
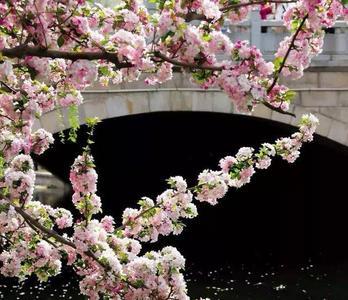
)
(288, 214)
(292, 210)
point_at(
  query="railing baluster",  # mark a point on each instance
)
(255, 28)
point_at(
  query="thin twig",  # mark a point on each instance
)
(10, 89)
(278, 72)
(292, 44)
(232, 6)
(277, 109)
(192, 16)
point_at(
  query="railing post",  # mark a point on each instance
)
(255, 28)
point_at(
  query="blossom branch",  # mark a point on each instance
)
(233, 6)
(216, 68)
(25, 50)
(192, 16)
(291, 46)
(175, 204)
(51, 233)
(186, 65)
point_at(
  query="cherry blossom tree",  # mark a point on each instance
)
(51, 50)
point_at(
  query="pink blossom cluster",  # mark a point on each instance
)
(43, 257)
(309, 42)
(19, 178)
(83, 178)
(244, 81)
(211, 186)
(49, 216)
(264, 156)
(41, 140)
(28, 253)
(239, 14)
(160, 272)
(239, 168)
(289, 148)
(210, 9)
(82, 73)
(164, 216)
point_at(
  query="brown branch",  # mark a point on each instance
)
(192, 16)
(277, 109)
(42, 228)
(278, 72)
(6, 238)
(25, 50)
(185, 65)
(51, 233)
(122, 227)
(9, 89)
(232, 6)
(32, 226)
(292, 44)
(40, 21)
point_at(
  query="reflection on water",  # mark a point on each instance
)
(303, 282)
(49, 189)
(241, 282)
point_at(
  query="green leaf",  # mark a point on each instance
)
(91, 122)
(168, 34)
(201, 75)
(104, 70)
(61, 41)
(73, 116)
(2, 166)
(295, 24)
(206, 37)
(138, 283)
(277, 63)
(289, 95)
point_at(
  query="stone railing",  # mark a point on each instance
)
(267, 34)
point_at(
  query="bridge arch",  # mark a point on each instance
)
(322, 93)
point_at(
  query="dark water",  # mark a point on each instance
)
(283, 236)
(307, 281)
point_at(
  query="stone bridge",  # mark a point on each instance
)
(323, 90)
